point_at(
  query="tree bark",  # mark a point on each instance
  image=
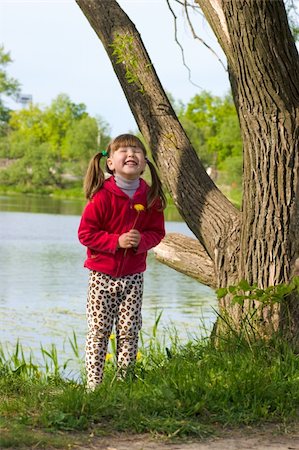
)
(186, 255)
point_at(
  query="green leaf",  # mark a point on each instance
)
(244, 285)
(221, 292)
(232, 289)
(238, 299)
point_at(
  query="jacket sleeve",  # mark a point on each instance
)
(154, 232)
(92, 234)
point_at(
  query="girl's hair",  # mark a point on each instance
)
(95, 176)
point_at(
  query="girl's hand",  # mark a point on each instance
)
(129, 239)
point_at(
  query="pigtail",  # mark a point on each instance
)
(94, 177)
(156, 190)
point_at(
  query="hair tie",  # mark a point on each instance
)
(146, 159)
(104, 153)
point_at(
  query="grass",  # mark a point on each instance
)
(178, 390)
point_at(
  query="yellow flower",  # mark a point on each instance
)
(109, 356)
(139, 356)
(112, 337)
(139, 207)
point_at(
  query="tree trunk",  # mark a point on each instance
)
(263, 66)
(264, 71)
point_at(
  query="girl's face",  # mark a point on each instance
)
(127, 162)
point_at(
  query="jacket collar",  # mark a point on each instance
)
(111, 186)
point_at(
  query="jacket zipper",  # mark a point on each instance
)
(122, 258)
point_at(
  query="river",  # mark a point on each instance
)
(44, 284)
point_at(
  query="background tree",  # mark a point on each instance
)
(47, 148)
(9, 87)
(216, 120)
(212, 125)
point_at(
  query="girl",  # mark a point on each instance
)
(121, 222)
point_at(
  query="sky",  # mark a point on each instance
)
(55, 50)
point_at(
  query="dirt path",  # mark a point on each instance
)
(247, 439)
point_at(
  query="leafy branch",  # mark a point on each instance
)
(268, 296)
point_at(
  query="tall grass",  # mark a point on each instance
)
(27, 366)
(176, 390)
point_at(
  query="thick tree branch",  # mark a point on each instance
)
(186, 255)
(213, 12)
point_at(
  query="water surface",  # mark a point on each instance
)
(44, 284)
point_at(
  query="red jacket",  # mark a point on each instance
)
(111, 213)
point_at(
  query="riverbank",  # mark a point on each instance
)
(76, 193)
(180, 395)
(61, 201)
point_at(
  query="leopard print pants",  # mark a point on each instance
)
(112, 300)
